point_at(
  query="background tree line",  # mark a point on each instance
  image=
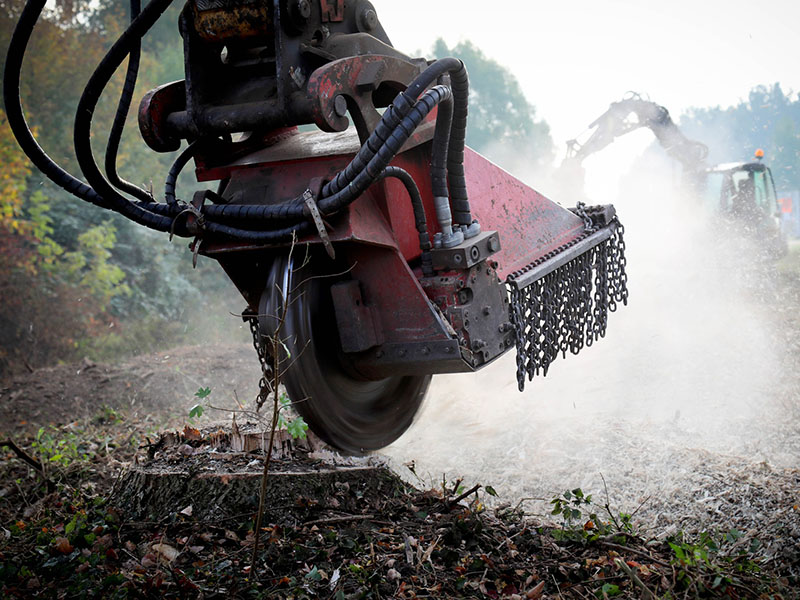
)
(76, 280)
(768, 119)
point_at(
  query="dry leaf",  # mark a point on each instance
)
(166, 551)
(62, 545)
(536, 592)
(190, 433)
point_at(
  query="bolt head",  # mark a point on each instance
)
(340, 106)
(369, 19)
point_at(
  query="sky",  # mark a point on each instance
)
(574, 57)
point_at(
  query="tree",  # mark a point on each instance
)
(768, 119)
(502, 123)
(96, 266)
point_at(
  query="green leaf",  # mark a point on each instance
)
(313, 574)
(490, 490)
(610, 589)
(196, 411)
(297, 428)
(281, 423)
(203, 392)
(70, 527)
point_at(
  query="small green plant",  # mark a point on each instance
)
(707, 564)
(63, 449)
(569, 505)
(296, 425)
(198, 409)
(106, 416)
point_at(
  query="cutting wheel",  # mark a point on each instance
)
(350, 413)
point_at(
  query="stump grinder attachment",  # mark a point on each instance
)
(365, 264)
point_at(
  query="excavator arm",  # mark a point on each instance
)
(629, 114)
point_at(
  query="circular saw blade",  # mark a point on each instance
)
(353, 414)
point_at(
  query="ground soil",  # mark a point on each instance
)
(729, 528)
(160, 384)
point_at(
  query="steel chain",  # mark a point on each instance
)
(265, 383)
(568, 308)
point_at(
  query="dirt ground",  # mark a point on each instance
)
(161, 385)
(718, 485)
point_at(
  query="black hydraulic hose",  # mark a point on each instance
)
(262, 237)
(388, 151)
(441, 142)
(16, 118)
(419, 215)
(399, 108)
(87, 104)
(159, 216)
(420, 219)
(457, 182)
(295, 208)
(306, 227)
(124, 105)
(175, 170)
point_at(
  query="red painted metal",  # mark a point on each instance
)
(355, 78)
(529, 224)
(332, 10)
(376, 236)
(154, 108)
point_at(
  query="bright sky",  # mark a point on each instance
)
(574, 57)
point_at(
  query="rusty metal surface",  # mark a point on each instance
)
(332, 10)
(311, 145)
(239, 21)
(529, 224)
(154, 109)
(476, 305)
(351, 83)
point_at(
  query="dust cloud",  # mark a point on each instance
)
(689, 372)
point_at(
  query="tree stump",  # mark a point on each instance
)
(216, 474)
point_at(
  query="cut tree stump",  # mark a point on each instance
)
(216, 474)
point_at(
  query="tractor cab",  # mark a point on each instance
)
(744, 193)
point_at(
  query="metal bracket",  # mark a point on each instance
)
(466, 254)
(313, 209)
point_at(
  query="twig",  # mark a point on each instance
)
(608, 504)
(339, 519)
(634, 551)
(276, 342)
(472, 490)
(558, 587)
(516, 508)
(646, 593)
(30, 460)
